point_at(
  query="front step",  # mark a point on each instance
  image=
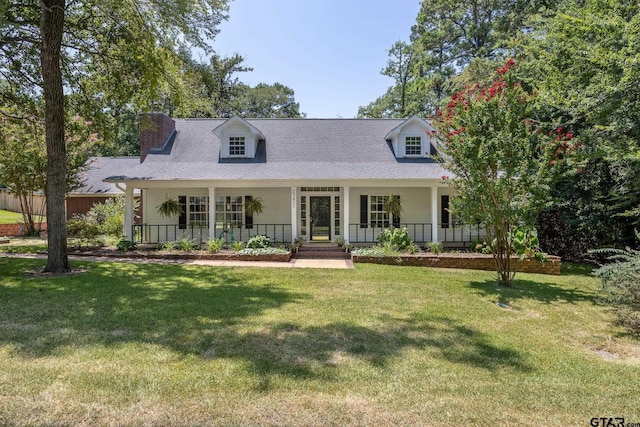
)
(321, 251)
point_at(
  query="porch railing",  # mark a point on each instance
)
(420, 232)
(159, 233)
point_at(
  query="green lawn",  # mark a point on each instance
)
(123, 344)
(8, 217)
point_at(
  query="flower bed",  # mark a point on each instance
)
(225, 255)
(472, 261)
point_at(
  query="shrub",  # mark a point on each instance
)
(167, 246)
(435, 247)
(237, 246)
(398, 238)
(214, 245)
(259, 241)
(82, 230)
(125, 244)
(621, 283)
(109, 216)
(186, 245)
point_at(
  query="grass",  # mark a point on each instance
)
(24, 245)
(131, 344)
(8, 217)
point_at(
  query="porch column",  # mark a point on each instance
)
(294, 219)
(128, 212)
(212, 212)
(345, 215)
(434, 214)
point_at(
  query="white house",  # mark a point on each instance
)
(320, 179)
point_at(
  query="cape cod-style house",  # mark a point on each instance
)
(318, 179)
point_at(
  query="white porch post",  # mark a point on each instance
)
(212, 212)
(128, 212)
(434, 214)
(345, 215)
(294, 219)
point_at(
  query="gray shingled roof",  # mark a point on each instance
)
(301, 149)
(100, 168)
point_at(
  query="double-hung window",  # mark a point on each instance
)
(236, 146)
(413, 146)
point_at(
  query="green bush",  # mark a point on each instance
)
(186, 245)
(237, 246)
(398, 238)
(125, 244)
(621, 284)
(435, 247)
(109, 216)
(82, 230)
(215, 245)
(259, 241)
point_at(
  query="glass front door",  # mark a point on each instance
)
(320, 218)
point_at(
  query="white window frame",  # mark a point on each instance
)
(239, 143)
(227, 213)
(413, 146)
(378, 218)
(198, 210)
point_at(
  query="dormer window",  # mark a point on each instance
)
(236, 146)
(240, 141)
(413, 146)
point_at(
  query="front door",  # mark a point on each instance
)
(320, 218)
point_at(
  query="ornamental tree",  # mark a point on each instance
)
(502, 161)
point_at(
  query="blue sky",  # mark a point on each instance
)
(329, 52)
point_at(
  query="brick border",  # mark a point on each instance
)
(463, 261)
(15, 230)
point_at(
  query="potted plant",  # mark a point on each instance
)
(170, 207)
(253, 206)
(393, 207)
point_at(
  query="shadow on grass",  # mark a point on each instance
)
(535, 290)
(215, 313)
(318, 351)
(173, 306)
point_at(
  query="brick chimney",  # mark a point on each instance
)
(155, 129)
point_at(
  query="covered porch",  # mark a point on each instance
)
(315, 212)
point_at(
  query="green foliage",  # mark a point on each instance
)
(621, 282)
(86, 232)
(109, 216)
(167, 246)
(339, 241)
(215, 245)
(583, 61)
(259, 241)
(398, 238)
(237, 246)
(125, 244)
(413, 249)
(169, 208)
(503, 160)
(435, 247)
(266, 101)
(525, 243)
(262, 251)
(186, 245)
(254, 205)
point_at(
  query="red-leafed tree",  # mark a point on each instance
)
(502, 164)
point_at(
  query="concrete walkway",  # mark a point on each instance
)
(294, 263)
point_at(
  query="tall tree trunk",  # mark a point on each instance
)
(51, 28)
